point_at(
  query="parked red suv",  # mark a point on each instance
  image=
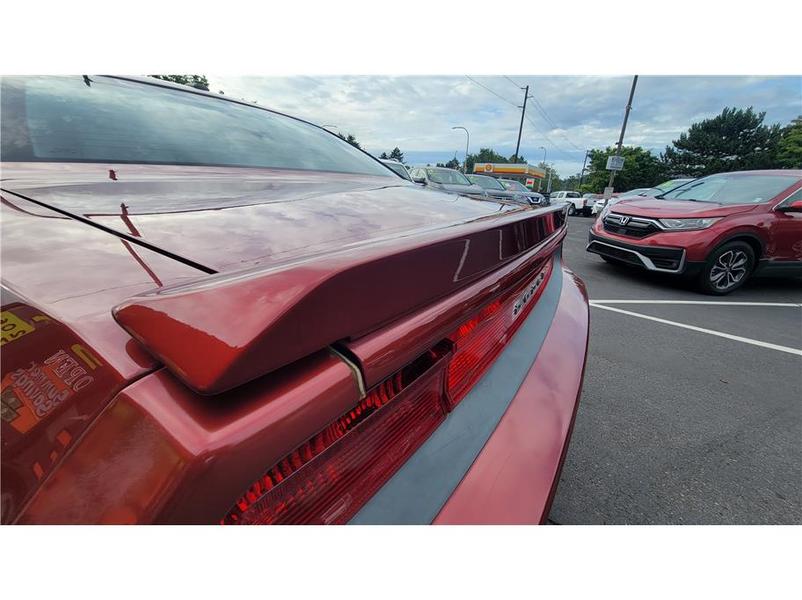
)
(721, 229)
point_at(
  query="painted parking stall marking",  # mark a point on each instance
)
(604, 305)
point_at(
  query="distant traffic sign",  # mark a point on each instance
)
(615, 163)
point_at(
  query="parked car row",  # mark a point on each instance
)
(666, 186)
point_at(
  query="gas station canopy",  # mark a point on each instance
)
(507, 169)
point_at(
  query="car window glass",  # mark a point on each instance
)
(447, 176)
(102, 119)
(733, 189)
(487, 183)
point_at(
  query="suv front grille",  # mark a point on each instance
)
(629, 226)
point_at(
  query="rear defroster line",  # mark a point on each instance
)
(114, 232)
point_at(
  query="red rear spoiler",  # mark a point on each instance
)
(224, 330)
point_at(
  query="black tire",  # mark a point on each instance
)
(571, 210)
(727, 268)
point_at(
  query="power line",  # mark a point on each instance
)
(566, 153)
(546, 116)
(493, 92)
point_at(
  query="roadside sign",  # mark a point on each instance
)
(608, 193)
(530, 182)
(615, 163)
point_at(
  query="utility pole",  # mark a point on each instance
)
(584, 165)
(521, 126)
(624, 125)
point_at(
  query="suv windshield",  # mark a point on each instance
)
(487, 183)
(110, 120)
(729, 188)
(671, 184)
(447, 176)
(515, 186)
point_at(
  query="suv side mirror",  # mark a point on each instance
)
(419, 180)
(794, 207)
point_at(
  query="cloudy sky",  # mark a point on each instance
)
(566, 115)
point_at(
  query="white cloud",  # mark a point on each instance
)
(417, 113)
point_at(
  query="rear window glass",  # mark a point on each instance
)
(102, 119)
(447, 177)
(487, 183)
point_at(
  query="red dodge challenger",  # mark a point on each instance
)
(216, 313)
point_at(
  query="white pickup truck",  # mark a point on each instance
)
(577, 204)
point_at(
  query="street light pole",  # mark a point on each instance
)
(544, 164)
(624, 125)
(467, 144)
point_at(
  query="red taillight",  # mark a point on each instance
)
(329, 477)
(478, 341)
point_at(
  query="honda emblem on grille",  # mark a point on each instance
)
(624, 220)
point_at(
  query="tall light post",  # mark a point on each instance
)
(539, 181)
(467, 144)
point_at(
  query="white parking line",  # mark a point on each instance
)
(728, 336)
(704, 302)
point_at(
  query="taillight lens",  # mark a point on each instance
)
(328, 478)
(478, 341)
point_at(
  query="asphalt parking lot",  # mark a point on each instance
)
(680, 426)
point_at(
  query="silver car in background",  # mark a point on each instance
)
(534, 198)
(447, 180)
(397, 168)
(495, 189)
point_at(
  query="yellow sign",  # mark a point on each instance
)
(510, 169)
(12, 327)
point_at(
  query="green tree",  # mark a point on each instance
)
(396, 154)
(641, 169)
(350, 139)
(452, 164)
(197, 81)
(556, 183)
(384, 156)
(735, 140)
(789, 151)
(484, 155)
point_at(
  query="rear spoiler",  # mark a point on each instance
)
(224, 330)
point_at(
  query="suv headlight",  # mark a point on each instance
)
(687, 224)
(605, 209)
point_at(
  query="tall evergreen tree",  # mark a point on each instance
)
(396, 154)
(735, 140)
(350, 139)
(789, 152)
